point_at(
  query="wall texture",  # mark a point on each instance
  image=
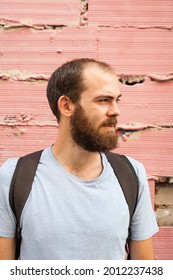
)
(136, 38)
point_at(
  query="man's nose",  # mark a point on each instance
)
(114, 110)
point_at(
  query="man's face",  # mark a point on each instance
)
(93, 123)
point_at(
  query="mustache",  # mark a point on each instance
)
(111, 121)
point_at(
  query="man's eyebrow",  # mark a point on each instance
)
(107, 95)
(120, 95)
(104, 96)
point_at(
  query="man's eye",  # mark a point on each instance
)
(118, 100)
(103, 100)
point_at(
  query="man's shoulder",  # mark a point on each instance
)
(8, 165)
(137, 165)
(139, 169)
(7, 169)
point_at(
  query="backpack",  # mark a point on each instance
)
(23, 177)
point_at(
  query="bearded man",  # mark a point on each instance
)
(76, 208)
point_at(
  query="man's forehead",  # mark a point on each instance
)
(94, 73)
(99, 82)
(93, 67)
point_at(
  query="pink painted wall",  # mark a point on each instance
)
(135, 37)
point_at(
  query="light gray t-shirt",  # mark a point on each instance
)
(69, 218)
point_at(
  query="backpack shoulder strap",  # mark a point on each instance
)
(21, 185)
(127, 178)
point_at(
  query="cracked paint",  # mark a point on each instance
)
(17, 75)
(161, 77)
(84, 13)
(14, 119)
(131, 80)
(10, 23)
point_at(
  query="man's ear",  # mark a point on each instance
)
(65, 106)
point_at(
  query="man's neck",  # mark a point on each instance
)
(76, 160)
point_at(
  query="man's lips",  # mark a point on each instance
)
(110, 124)
(111, 127)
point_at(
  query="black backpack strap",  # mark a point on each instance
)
(20, 188)
(128, 180)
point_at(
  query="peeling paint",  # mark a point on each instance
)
(125, 135)
(131, 135)
(9, 23)
(136, 126)
(132, 130)
(24, 118)
(164, 27)
(165, 125)
(4, 76)
(161, 77)
(131, 80)
(84, 13)
(17, 75)
(13, 119)
(55, 27)
(16, 122)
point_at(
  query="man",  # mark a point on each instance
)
(76, 209)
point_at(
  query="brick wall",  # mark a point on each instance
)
(135, 37)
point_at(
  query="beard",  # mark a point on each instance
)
(90, 138)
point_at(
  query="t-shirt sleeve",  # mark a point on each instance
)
(7, 219)
(143, 225)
